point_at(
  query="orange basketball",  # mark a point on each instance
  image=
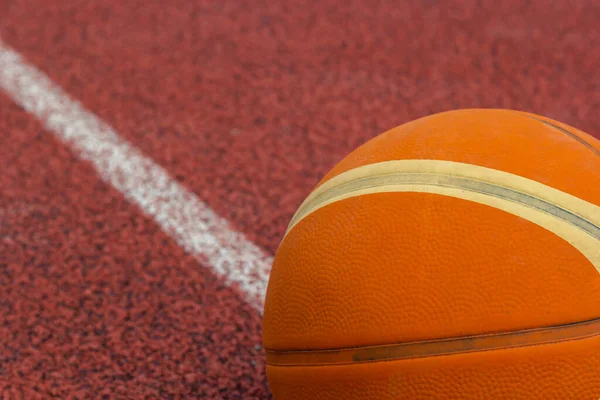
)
(454, 257)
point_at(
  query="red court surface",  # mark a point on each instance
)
(247, 105)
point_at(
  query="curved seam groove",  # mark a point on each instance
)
(570, 134)
(435, 348)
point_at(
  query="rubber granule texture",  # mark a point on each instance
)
(96, 300)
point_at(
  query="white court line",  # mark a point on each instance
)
(195, 227)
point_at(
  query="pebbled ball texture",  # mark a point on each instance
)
(392, 268)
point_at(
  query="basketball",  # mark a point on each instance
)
(456, 256)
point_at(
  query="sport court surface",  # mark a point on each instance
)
(132, 262)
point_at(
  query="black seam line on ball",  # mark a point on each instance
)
(435, 348)
(570, 134)
(471, 185)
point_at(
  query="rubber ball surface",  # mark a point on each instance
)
(456, 256)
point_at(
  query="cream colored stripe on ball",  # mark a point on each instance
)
(571, 218)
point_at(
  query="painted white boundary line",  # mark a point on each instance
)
(189, 221)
